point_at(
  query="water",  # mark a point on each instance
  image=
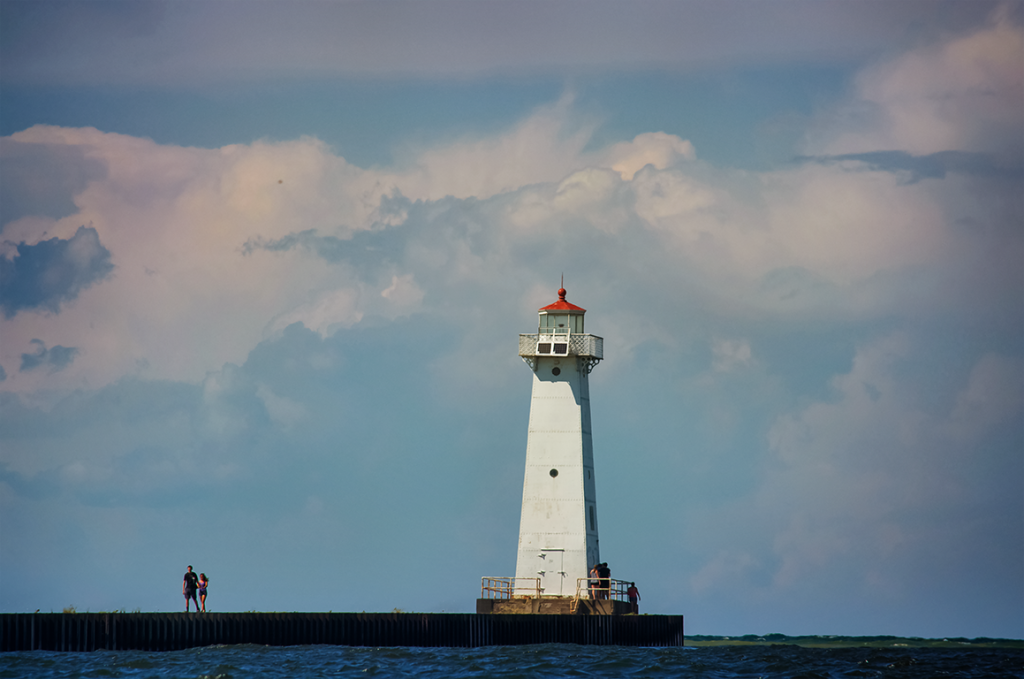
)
(545, 660)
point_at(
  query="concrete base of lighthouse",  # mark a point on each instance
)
(552, 606)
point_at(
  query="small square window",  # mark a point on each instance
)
(544, 348)
(561, 347)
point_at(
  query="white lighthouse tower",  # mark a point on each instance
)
(558, 528)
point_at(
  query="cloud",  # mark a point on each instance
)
(238, 243)
(330, 248)
(851, 474)
(324, 315)
(960, 94)
(186, 298)
(723, 569)
(403, 292)
(731, 354)
(994, 395)
(657, 149)
(55, 358)
(42, 179)
(543, 147)
(282, 411)
(52, 272)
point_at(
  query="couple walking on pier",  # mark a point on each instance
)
(190, 585)
(600, 581)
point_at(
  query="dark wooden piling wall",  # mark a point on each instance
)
(174, 631)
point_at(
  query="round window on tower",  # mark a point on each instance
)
(556, 371)
(553, 472)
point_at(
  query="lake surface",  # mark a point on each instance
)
(806, 657)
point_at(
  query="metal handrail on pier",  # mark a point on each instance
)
(588, 588)
(508, 588)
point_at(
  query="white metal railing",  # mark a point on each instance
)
(507, 588)
(548, 344)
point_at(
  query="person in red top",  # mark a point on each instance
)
(634, 597)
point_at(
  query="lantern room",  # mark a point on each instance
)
(561, 318)
(560, 333)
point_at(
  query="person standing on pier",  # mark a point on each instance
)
(606, 584)
(188, 587)
(634, 597)
(204, 582)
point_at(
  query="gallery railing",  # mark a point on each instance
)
(561, 344)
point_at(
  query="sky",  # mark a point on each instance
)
(263, 267)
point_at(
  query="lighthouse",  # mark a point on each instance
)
(558, 540)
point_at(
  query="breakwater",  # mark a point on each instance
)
(175, 631)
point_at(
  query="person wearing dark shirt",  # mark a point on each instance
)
(606, 583)
(189, 585)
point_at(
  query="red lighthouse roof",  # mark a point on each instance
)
(561, 304)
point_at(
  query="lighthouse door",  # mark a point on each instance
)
(553, 577)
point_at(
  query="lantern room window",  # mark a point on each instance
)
(560, 324)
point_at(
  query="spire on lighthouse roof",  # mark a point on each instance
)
(561, 304)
